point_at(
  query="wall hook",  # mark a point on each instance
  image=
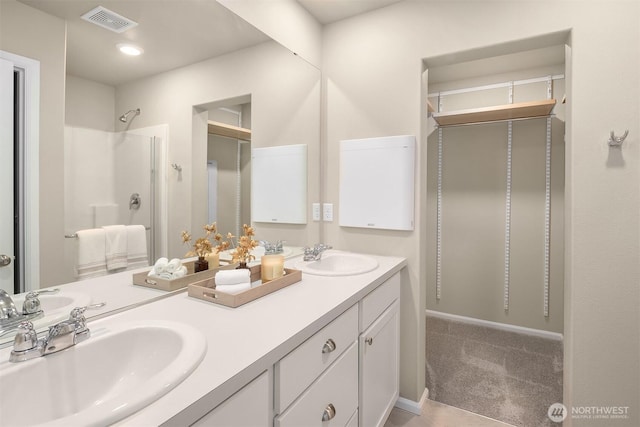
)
(616, 141)
(176, 167)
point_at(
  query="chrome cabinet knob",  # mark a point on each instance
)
(329, 412)
(329, 346)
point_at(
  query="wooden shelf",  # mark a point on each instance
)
(499, 112)
(223, 129)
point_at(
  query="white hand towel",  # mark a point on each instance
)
(233, 277)
(180, 272)
(160, 265)
(137, 247)
(116, 246)
(91, 253)
(173, 265)
(233, 289)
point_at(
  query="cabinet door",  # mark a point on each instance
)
(379, 368)
(248, 407)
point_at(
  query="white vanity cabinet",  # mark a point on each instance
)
(347, 374)
(248, 407)
(319, 379)
(379, 349)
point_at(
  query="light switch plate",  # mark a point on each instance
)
(315, 211)
(327, 212)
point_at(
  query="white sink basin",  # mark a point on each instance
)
(337, 263)
(119, 370)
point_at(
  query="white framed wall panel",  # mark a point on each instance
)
(377, 182)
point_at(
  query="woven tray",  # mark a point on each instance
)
(205, 289)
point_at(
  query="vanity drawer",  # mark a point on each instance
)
(377, 301)
(337, 387)
(297, 370)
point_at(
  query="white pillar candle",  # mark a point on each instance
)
(213, 259)
(271, 267)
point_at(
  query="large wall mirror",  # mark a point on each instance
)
(200, 60)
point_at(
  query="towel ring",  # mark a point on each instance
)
(616, 141)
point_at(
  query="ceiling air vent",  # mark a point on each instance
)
(109, 20)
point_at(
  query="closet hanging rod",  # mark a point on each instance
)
(494, 121)
(495, 86)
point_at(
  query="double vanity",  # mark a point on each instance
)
(323, 352)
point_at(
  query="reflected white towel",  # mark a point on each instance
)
(173, 265)
(233, 277)
(116, 246)
(168, 270)
(233, 289)
(137, 247)
(91, 254)
(180, 272)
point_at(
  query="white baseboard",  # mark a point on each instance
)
(412, 406)
(503, 326)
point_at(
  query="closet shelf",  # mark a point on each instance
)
(520, 110)
(223, 129)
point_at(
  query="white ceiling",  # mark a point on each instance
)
(172, 33)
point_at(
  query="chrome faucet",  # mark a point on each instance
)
(10, 317)
(315, 253)
(65, 334)
(272, 248)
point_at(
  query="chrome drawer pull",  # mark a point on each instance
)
(369, 340)
(329, 412)
(329, 346)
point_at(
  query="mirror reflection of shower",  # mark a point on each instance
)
(125, 117)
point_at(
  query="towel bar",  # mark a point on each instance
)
(75, 235)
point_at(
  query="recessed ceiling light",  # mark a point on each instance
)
(129, 49)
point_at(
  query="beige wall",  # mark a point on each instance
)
(286, 22)
(372, 75)
(90, 104)
(46, 45)
(285, 105)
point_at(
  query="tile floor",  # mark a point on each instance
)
(435, 414)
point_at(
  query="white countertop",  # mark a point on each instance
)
(242, 342)
(245, 341)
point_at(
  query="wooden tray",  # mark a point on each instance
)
(205, 289)
(143, 279)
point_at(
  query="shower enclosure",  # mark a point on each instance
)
(110, 179)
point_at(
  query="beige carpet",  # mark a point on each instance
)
(502, 375)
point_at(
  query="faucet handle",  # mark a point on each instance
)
(77, 314)
(26, 337)
(31, 302)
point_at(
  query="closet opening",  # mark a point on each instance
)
(495, 237)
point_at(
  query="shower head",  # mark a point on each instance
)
(124, 117)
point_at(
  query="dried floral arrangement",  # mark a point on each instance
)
(205, 245)
(245, 244)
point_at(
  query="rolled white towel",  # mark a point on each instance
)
(160, 265)
(233, 277)
(180, 272)
(173, 265)
(165, 275)
(233, 289)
